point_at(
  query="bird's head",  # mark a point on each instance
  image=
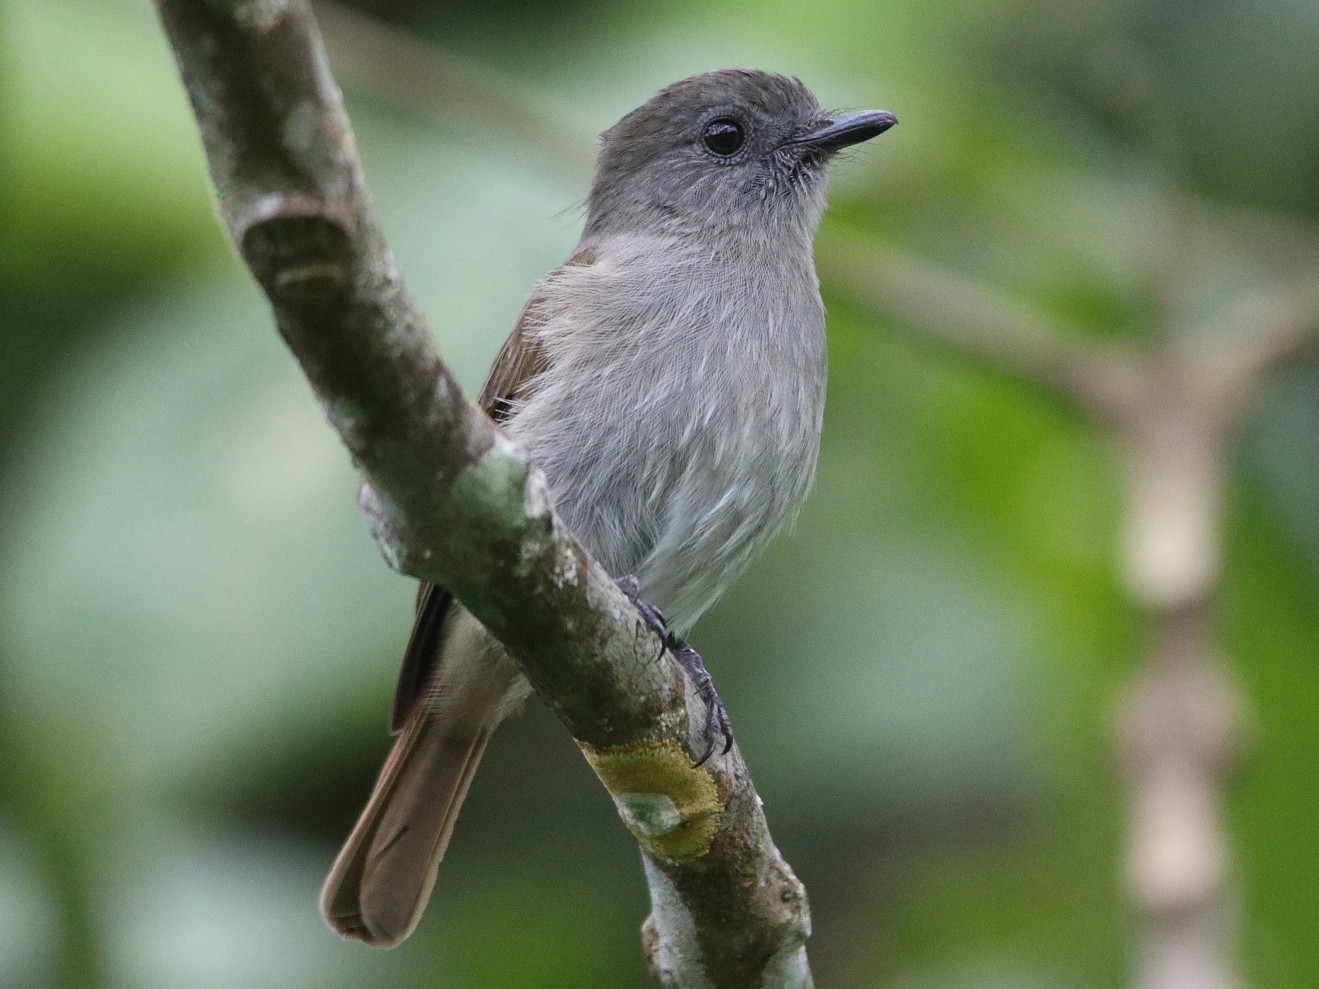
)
(737, 148)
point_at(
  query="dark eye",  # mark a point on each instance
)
(723, 137)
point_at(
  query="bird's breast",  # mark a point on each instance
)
(678, 419)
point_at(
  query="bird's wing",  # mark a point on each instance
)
(519, 361)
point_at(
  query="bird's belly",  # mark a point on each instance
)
(680, 492)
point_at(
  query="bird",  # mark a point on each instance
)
(669, 380)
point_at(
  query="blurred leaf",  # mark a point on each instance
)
(105, 178)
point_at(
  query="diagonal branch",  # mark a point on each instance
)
(977, 321)
(455, 502)
(433, 83)
(1268, 329)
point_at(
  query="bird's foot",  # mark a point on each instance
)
(716, 718)
(652, 616)
(717, 726)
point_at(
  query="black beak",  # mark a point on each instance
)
(833, 133)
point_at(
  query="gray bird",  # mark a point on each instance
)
(669, 380)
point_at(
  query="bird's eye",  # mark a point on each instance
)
(723, 137)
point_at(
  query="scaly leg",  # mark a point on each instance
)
(716, 717)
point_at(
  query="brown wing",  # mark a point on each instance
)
(517, 364)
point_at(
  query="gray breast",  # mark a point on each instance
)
(678, 421)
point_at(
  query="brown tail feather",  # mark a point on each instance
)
(383, 877)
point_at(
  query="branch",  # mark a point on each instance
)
(455, 502)
(976, 321)
(439, 85)
(1266, 330)
(1181, 727)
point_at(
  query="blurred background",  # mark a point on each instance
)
(198, 638)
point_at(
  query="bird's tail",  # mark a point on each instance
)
(380, 882)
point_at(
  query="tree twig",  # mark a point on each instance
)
(433, 83)
(1268, 329)
(455, 502)
(977, 321)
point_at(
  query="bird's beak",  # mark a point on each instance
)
(833, 133)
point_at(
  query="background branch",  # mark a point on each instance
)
(455, 502)
(437, 84)
(975, 320)
(1269, 329)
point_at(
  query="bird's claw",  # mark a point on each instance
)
(716, 717)
(652, 616)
